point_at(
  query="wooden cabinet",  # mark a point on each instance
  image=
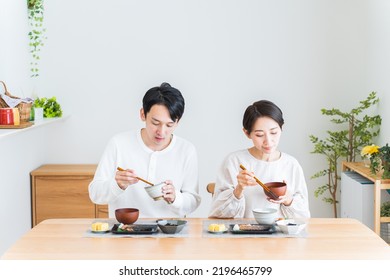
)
(379, 185)
(61, 191)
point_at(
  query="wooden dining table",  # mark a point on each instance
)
(325, 239)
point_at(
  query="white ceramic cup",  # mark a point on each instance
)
(155, 191)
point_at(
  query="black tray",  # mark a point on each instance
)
(260, 229)
(136, 229)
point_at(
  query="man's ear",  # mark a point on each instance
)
(142, 114)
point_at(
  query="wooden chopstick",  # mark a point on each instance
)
(139, 178)
(274, 196)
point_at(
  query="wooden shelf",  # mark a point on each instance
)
(379, 184)
(359, 167)
(11, 131)
(385, 219)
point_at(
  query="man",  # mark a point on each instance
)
(153, 153)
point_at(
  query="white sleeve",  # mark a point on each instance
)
(187, 197)
(103, 189)
(224, 203)
(299, 207)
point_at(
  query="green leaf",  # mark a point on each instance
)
(345, 143)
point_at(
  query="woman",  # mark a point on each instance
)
(237, 192)
(155, 154)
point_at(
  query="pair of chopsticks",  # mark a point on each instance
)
(274, 196)
(139, 178)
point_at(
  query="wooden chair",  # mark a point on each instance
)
(210, 188)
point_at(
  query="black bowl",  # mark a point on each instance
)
(171, 226)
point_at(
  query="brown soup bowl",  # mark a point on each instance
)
(278, 188)
(127, 215)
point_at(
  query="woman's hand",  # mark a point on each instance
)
(244, 178)
(169, 192)
(286, 199)
(125, 178)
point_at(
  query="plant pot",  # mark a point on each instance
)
(38, 114)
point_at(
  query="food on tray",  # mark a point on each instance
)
(134, 228)
(254, 227)
(123, 227)
(251, 229)
(236, 227)
(217, 227)
(99, 226)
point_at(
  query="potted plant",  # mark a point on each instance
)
(51, 108)
(37, 109)
(367, 153)
(379, 159)
(385, 227)
(385, 209)
(357, 131)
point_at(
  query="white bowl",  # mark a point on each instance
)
(265, 216)
(290, 226)
(155, 191)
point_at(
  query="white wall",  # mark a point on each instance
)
(378, 68)
(14, 49)
(222, 55)
(101, 57)
(19, 155)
